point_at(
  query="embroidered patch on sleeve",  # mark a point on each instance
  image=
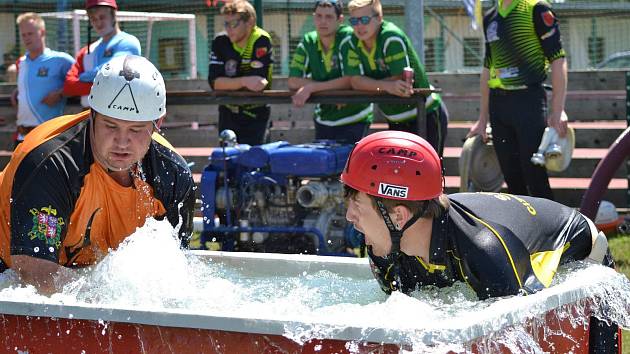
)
(46, 226)
(260, 52)
(548, 18)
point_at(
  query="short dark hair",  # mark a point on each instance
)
(433, 208)
(336, 4)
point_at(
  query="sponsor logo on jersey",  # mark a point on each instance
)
(42, 72)
(392, 190)
(491, 32)
(507, 73)
(256, 64)
(230, 67)
(47, 226)
(548, 18)
(260, 52)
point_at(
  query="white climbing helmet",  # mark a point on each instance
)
(130, 88)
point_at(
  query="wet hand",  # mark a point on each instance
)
(301, 96)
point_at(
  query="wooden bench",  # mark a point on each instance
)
(596, 105)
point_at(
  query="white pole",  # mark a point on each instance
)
(414, 25)
(149, 30)
(76, 32)
(192, 42)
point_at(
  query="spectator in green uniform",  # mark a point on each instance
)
(241, 58)
(376, 57)
(522, 42)
(316, 66)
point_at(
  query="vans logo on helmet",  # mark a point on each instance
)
(393, 190)
(397, 152)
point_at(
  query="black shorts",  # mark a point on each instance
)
(249, 129)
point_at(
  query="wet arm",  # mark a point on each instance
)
(46, 276)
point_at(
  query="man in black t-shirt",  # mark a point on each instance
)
(522, 43)
(498, 244)
(241, 58)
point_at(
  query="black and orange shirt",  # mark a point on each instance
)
(58, 204)
(498, 244)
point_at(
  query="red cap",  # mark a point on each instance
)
(91, 3)
(394, 165)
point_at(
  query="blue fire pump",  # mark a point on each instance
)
(276, 197)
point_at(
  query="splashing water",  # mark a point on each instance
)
(149, 272)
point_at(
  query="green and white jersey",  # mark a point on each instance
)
(311, 61)
(521, 41)
(391, 53)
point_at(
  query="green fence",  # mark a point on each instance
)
(592, 31)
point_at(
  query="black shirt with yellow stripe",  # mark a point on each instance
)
(498, 244)
(57, 204)
(521, 41)
(229, 60)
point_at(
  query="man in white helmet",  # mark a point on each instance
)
(80, 184)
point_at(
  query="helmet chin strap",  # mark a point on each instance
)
(396, 235)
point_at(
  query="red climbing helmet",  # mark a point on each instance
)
(91, 3)
(394, 165)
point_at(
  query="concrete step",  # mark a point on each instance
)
(584, 161)
(588, 134)
(600, 134)
(568, 191)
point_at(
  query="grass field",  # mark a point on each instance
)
(620, 248)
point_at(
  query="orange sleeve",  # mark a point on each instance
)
(72, 86)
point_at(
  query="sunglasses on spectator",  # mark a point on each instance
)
(233, 24)
(364, 20)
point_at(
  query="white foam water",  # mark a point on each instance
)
(149, 272)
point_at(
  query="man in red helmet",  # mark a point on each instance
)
(499, 244)
(112, 42)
